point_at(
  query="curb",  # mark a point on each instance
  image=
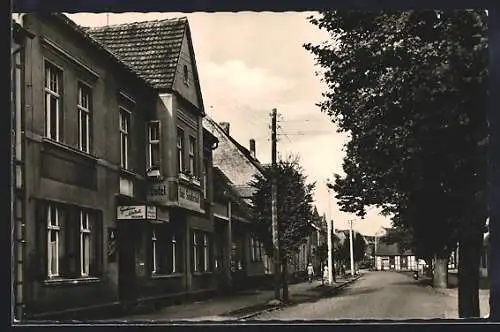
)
(277, 307)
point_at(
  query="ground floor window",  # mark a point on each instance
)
(256, 249)
(70, 240)
(201, 251)
(165, 253)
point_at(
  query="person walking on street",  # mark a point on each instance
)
(310, 272)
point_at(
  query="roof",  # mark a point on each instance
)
(235, 161)
(151, 48)
(384, 249)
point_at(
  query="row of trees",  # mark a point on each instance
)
(410, 90)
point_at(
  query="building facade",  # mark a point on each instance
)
(116, 191)
(389, 257)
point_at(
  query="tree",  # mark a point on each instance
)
(343, 248)
(294, 207)
(410, 89)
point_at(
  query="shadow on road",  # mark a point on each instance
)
(357, 291)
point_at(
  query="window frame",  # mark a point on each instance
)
(85, 234)
(192, 150)
(124, 134)
(152, 142)
(206, 252)
(52, 226)
(88, 116)
(174, 253)
(58, 95)
(180, 149)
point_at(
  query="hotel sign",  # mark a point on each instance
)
(189, 198)
(158, 192)
(136, 212)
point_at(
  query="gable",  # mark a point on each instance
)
(186, 81)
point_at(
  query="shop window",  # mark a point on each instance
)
(165, 253)
(201, 260)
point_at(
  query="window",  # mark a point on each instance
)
(205, 178)
(256, 249)
(84, 243)
(201, 252)
(192, 155)
(84, 107)
(195, 252)
(73, 241)
(186, 75)
(53, 241)
(206, 257)
(180, 150)
(53, 95)
(252, 249)
(164, 250)
(124, 137)
(154, 144)
(174, 254)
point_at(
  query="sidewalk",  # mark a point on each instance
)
(243, 305)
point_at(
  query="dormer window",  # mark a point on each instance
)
(186, 75)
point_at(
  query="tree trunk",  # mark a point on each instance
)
(468, 275)
(440, 274)
(285, 281)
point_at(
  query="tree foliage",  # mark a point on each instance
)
(410, 89)
(294, 206)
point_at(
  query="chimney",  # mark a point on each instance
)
(225, 127)
(252, 147)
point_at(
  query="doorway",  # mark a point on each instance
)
(127, 279)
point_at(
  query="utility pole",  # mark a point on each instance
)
(274, 211)
(351, 248)
(329, 239)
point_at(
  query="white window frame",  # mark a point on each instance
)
(154, 267)
(52, 215)
(85, 234)
(180, 149)
(174, 254)
(52, 71)
(195, 252)
(206, 258)
(124, 135)
(85, 109)
(192, 155)
(152, 142)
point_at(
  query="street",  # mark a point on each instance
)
(376, 295)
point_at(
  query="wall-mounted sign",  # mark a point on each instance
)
(158, 192)
(189, 198)
(151, 212)
(135, 212)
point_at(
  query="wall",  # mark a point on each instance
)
(63, 174)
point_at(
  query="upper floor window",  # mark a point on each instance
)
(154, 144)
(124, 137)
(53, 96)
(186, 74)
(192, 155)
(180, 150)
(84, 108)
(205, 178)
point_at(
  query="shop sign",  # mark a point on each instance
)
(189, 198)
(131, 212)
(151, 212)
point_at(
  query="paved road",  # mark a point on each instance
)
(376, 295)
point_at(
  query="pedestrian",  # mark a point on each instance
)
(310, 272)
(325, 273)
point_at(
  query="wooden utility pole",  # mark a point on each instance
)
(274, 211)
(351, 247)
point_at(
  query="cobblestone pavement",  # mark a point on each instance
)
(376, 295)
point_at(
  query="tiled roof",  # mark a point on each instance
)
(233, 159)
(96, 44)
(151, 48)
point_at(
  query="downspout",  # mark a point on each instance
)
(17, 231)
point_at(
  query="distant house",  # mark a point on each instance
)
(390, 257)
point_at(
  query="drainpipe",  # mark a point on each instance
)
(17, 235)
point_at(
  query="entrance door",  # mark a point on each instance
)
(127, 286)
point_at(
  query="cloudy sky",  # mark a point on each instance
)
(250, 63)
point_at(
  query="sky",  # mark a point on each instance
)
(250, 63)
